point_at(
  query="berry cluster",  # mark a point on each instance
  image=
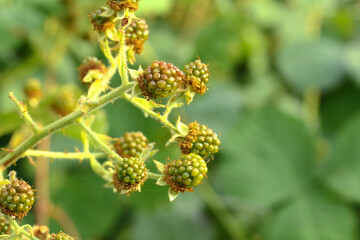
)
(100, 22)
(137, 32)
(16, 198)
(60, 236)
(91, 63)
(41, 232)
(32, 89)
(64, 101)
(5, 227)
(130, 174)
(186, 173)
(132, 144)
(200, 140)
(160, 79)
(122, 4)
(197, 76)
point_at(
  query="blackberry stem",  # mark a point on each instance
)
(24, 113)
(19, 231)
(62, 155)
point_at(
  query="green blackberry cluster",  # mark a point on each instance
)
(130, 174)
(60, 236)
(5, 227)
(16, 198)
(186, 173)
(160, 79)
(132, 144)
(64, 101)
(33, 89)
(122, 4)
(137, 32)
(197, 75)
(200, 140)
(101, 23)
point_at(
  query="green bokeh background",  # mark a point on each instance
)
(284, 95)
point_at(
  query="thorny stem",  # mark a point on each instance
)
(24, 113)
(151, 113)
(98, 141)
(18, 152)
(214, 202)
(62, 155)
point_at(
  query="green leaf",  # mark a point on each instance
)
(307, 64)
(352, 62)
(268, 157)
(312, 218)
(343, 166)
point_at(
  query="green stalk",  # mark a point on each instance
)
(18, 152)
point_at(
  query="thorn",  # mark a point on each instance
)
(7, 150)
(31, 160)
(77, 150)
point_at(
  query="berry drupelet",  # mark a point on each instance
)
(197, 76)
(130, 174)
(132, 144)
(184, 174)
(16, 198)
(200, 140)
(137, 32)
(160, 79)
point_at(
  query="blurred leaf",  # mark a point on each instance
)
(352, 62)
(307, 64)
(343, 166)
(182, 219)
(158, 7)
(92, 207)
(338, 107)
(312, 218)
(9, 122)
(269, 156)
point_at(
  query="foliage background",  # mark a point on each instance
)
(284, 94)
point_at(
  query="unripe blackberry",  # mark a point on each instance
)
(200, 140)
(5, 227)
(160, 79)
(136, 34)
(33, 89)
(16, 198)
(91, 63)
(41, 232)
(197, 76)
(101, 23)
(130, 174)
(121, 4)
(60, 236)
(186, 173)
(64, 100)
(132, 144)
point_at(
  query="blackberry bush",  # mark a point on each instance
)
(137, 33)
(200, 140)
(186, 173)
(197, 76)
(132, 144)
(16, 198)
(121, 35)
(160, 79)
(129, 175)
